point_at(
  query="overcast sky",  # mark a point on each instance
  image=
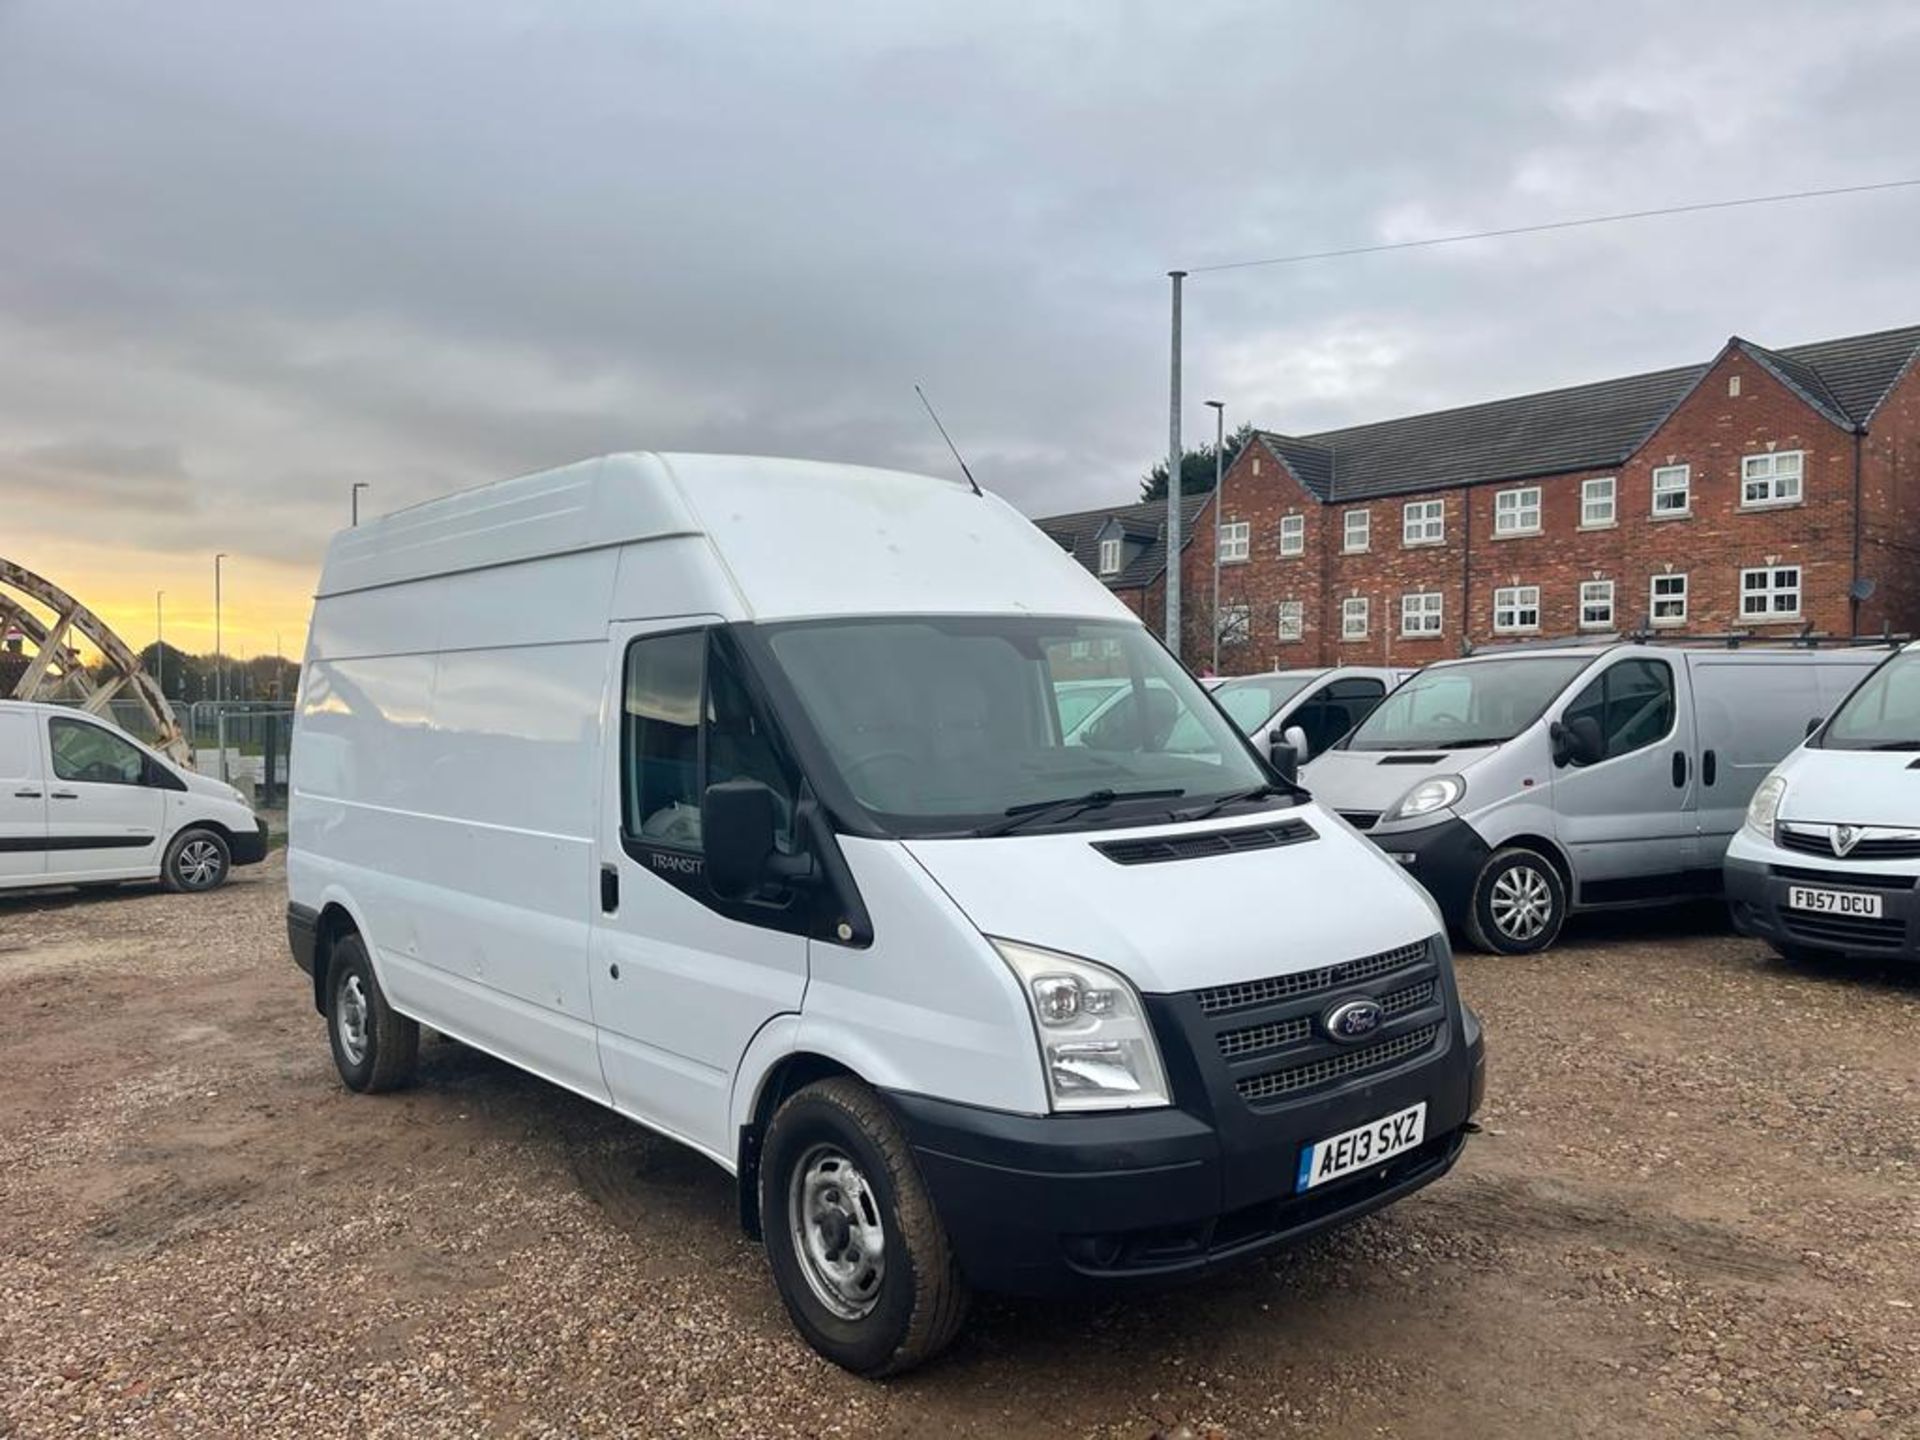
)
(251, 253)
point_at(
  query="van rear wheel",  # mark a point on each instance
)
(858, 1253)
(1519, 904)
(375, 1047)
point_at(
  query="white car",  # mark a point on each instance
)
(83, 803)
(1829, 858)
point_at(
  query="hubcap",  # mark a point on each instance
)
(199, 863)
(835, 1222)
(352, 1020)
(1522, 903)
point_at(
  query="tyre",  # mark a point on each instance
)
(858, 1253)
(374, 1047)
(1519, 904)
(196, 860)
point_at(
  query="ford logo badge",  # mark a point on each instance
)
(1353, 1020)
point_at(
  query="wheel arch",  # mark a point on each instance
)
(334, 924)
(1549, 850)
(791, 1072)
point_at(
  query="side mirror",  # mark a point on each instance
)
(1814, 724)
(1577, 742)
(1284, 758)
(737, 819)
(1297, 738)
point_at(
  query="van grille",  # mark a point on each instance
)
(1845, 879)
(1361, 819)
(1155, 849)
(1276, 1034)
(1852, 931)
(1307, 982)
(1275, 1083)
(1809, 842)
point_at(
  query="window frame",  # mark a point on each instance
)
(1773, 500)
(1604, 680)
(1364, 514)
(1347, 614)
(1612, 482)
(1299, 608)
(1519, 508)
(1516, 606)
(1685, 597)
(1297, 545)
(1414, 605)
(1236, 542)
(1116, 547)
(1229, 615)
(1769, 615)
(1612, 611)
(1427, 527)
(1684, 490)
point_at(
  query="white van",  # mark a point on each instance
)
(1829, 859)
(1525, 783)
(1308, 709)
(732, 794)
(84, 803)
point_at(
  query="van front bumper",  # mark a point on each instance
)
(1757, 885)
(249, 849)
(1045, 1205)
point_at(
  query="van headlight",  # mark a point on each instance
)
(1764, 808)
(1427, 797)
(1096, 1047)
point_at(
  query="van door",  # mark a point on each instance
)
(1749, 712)
(1332, 710)
(23, 799)
(681, 979)
(1627, 818)
(103, 819)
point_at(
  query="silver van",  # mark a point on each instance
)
(1521, 784)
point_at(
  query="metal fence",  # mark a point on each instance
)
(245, 743)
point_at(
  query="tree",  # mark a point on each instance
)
(1196, 468)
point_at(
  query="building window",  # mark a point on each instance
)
(1669, 595)
(1596, 503)
(1293, 534)
(1672, 489)
(1110, 557)
(1517, 512)
(1236, 622)
(1293, 620)
(1423, 522)
(1596, 604)
(1359, 531)
(1771, 479)
(1421, 614)
(1236, 538)
(1353, 618)
(1770, 594)
(1516, 608)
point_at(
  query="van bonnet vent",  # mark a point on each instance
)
(1411, 759)
(1155, 849)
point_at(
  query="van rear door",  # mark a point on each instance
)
(681, 979)
(1750, 711)
(23, 798)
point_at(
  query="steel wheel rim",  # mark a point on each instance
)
(198, 863)
(834, 1218)
(1521, 902)
(351, 1022)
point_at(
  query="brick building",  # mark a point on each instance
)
(1748, 493)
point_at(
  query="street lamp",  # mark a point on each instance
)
(160, 642)
(1219, 408)
(219, 663)
(358, 486)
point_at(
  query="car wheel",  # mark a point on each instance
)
(858, 1253)
(1519, 904)
(375, 1047)
(196, 860)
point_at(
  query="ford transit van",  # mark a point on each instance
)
(1523, 784)
(733, 794)
(1829, 859)
(84, 803)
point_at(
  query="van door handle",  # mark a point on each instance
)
(1679, 769)
(26, 794)
(1709, 767)
(609, 889)
(63, 795)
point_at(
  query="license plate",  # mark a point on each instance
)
(1369, 1144)
(1833, 902)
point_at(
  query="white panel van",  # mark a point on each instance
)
(84, 803)
(1528, 782)
(734, 794)
(1829, 859)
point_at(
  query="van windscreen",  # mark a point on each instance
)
(1883, 714)
(1452, 707)
(947, 724)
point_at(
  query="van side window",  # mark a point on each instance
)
(1335, 709)
(86, 753)
(688, 723)
(1631, 703)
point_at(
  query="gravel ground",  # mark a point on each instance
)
(1695, 1211)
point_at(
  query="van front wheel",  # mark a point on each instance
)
(858, 1253)
(1519, 904)
(196, 860)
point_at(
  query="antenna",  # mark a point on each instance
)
(949, 439)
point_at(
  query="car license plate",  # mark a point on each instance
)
(1833, 902)
(1356, 1149)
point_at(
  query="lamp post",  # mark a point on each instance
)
(1173, 478)
(358, 486)
(1219, 408)
(160, 642)
(219, 661)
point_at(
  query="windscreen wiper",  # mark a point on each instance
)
(1258, 792)
(1019, 815)
(1471, 744)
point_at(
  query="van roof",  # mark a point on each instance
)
(786, 538)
